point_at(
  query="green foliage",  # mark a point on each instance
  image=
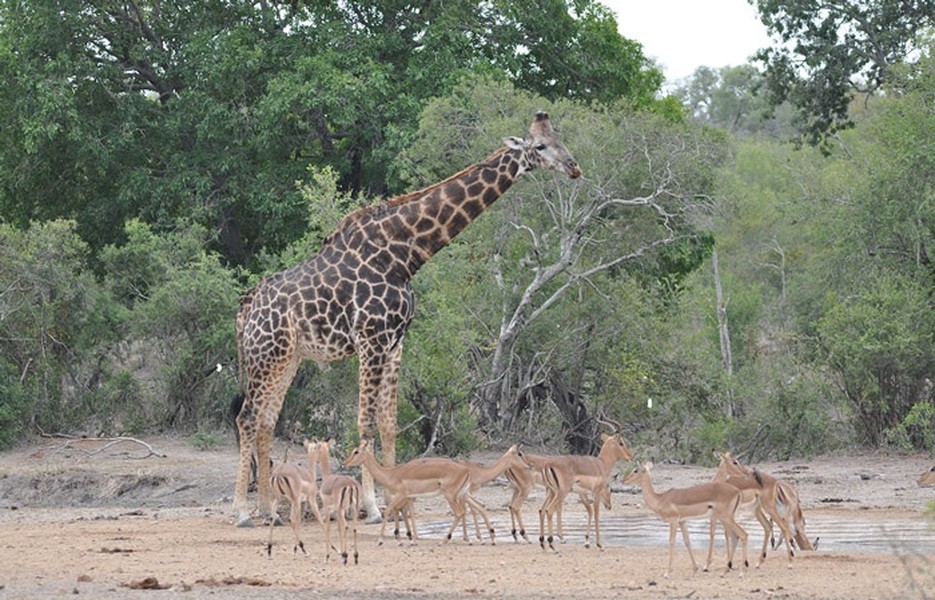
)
(917, 429)
(179, 305)
(118, 405)
(733, 98)
(14, 410)
(208, 112)
(57, 325)
(830, 51)
(824, 264)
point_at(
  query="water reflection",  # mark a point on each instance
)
(838, 534)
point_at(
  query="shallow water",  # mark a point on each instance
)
(837, 534)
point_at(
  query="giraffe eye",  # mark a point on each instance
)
(540, 147)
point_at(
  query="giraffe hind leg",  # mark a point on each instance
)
(246, 427)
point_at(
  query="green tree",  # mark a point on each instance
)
(830, 51)
(879, 341)
(547, 241)
(57, 328)
(825, 263)
(733, 98)
(178, 334)
(210, 111)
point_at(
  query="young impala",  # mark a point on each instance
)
(339, 494)
(678, 505)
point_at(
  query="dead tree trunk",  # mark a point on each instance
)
(724, 333)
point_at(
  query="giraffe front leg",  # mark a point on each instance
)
(368, 498)
(386, 406)
(370, 377)
(379, 375)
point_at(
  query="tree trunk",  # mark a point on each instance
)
(577, 424)
(724, 333)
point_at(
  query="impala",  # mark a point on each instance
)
(750, 502)
(523, 478)
(420, 477)
(790, 505)
(295, 484)
(481, 475)
(585, 475)
(772, 499)
(339, 494)
(678, 505)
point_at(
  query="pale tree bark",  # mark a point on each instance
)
(724, 333)
(556, 262)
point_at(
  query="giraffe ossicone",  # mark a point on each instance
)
(354, 297)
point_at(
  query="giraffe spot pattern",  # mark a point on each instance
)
(354, 295)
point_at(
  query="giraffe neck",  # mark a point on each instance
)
(404, 233)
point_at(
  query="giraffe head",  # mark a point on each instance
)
(542, 148)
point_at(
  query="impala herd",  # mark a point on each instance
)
(733, 487)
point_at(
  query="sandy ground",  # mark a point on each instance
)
(112, 523)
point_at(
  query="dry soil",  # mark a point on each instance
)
(103, 521)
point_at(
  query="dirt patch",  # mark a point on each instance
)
(113, 524)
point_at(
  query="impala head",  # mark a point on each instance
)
(617, 446)
(730, 465)
(542, 148)
(643, 472)
(359, 454)
(515, 456)
(312, 449)
(620, 447)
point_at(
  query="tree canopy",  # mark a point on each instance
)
(212, 110)
(829, 51)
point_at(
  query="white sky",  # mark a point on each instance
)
(682, 35)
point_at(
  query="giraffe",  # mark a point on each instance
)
(354, 297)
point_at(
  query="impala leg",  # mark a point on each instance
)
(516, 517)
(477, 507)
(673, 526)
(711, 532)
(767, 534)
(738, 533)
(295, 518)
(688, 544)
(589, 509)
(269, 543)
(597, 524)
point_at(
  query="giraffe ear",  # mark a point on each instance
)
(514, 143)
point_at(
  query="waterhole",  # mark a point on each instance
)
(854, 533)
